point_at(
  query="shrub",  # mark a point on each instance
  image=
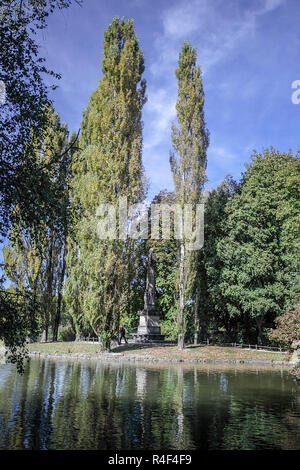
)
(66, 333)
(169, 328)
(131, 320)
(296, 372)
(287, 328)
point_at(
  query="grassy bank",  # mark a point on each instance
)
(159, 351)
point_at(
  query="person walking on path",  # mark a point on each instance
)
(122, 333)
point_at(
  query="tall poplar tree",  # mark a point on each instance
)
(188, 162)
(109, 167)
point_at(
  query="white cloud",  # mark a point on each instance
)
(181, 21)
(271, 5)
(217, 30)
(160, 108)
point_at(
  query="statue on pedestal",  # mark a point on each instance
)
(149, 328)
(149, 296)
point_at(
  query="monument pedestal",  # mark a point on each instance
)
(148, 329)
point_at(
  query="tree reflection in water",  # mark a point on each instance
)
(90, 405)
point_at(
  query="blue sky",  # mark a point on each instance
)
(249, 51)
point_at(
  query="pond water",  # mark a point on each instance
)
(59, 404)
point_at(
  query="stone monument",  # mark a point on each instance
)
(149, 329)
(296, 352)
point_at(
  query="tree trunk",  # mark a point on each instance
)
(196, 316)
(57, 317)
(259, 323)
(181, 300)
(78, 337)
(105, 346)
(48, 297)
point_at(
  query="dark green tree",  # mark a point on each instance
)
(23, 120)
(213, 314)
(36, 262)
(167, 268)
(260, 270)
(24, 112)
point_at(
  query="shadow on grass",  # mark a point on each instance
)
(139, 347)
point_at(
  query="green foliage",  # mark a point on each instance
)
(29, 199)
(24, 113)
(214, 316)
(258, 268)
(105, 339)
(169, 325)
(166, 252)
(35, 262)
(108, 167)
(66, 333)
(287, 328)
(17, 322)
(296, 372)
(190, 141)
(245, 277)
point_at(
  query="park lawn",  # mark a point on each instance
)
(64, 347)
(159, 351)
